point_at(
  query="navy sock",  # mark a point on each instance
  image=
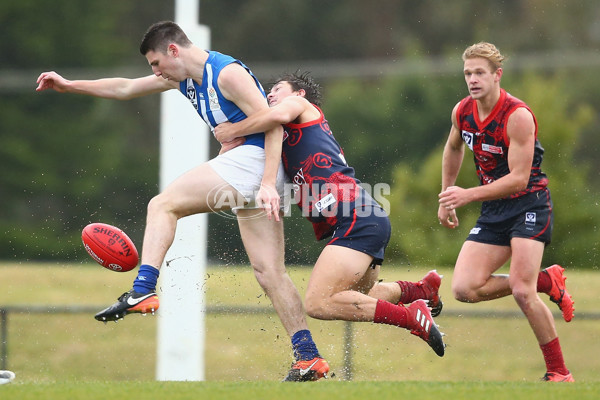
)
(145, 282)
(303, 345)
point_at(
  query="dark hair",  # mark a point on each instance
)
(302, 80)
(160, 35)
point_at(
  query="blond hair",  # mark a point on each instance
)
(487, 51)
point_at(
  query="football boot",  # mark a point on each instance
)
(129, 302)
(308, 370)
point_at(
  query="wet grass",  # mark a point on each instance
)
(54, 348)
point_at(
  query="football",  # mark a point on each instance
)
(110, 247)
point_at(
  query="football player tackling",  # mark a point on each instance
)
(220, 88)
(343, 284)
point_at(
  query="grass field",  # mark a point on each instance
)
(60, 356)
(322, 390)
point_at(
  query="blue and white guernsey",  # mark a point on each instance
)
(210, 103)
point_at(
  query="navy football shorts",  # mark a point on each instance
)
(529, 216)
(367, 230)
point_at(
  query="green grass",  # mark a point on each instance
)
(60, 356)
(321, 390)
(314, 391)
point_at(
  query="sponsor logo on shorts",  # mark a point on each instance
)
(475, 231)
(324, 202)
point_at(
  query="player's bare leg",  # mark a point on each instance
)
(337, 291)
(524, 269)
(193, 192)
(474, 279)
(264, 242)
(199, 190)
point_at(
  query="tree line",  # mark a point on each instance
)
(69, 160)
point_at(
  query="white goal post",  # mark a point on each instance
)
(184, 144)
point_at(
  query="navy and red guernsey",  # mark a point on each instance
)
(490, 144)
(325, 187)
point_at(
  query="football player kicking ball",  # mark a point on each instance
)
(342, 285)
(516, 212)
(220, 88)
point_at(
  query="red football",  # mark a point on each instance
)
(110, 247)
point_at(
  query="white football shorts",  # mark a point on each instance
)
(243, 168)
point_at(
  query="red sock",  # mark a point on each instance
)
(554, 357)
(391, 314)
(544, 283)
(410, 292)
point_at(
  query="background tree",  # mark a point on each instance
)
(389, 73)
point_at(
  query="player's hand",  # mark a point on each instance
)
(51, 80)
(268, 199)
(226, 146)
(224, 132)
(454, 197)
(447, 217)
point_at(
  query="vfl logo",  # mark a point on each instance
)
(530, 218)
(468, 138)
(191, 93)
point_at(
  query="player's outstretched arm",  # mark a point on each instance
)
(110, 88)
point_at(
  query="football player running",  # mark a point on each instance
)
(516, 213)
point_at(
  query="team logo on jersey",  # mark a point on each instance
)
(530, 218)
(491, 149)
(322, 160)
(468, 138)
(325, 126)
(293, 136)
(213, 100)
(191, 93)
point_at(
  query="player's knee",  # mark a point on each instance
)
(161, 204)
(314, 308)
(462, 293)
(523, 296)
(156, 204)
(267, 276)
